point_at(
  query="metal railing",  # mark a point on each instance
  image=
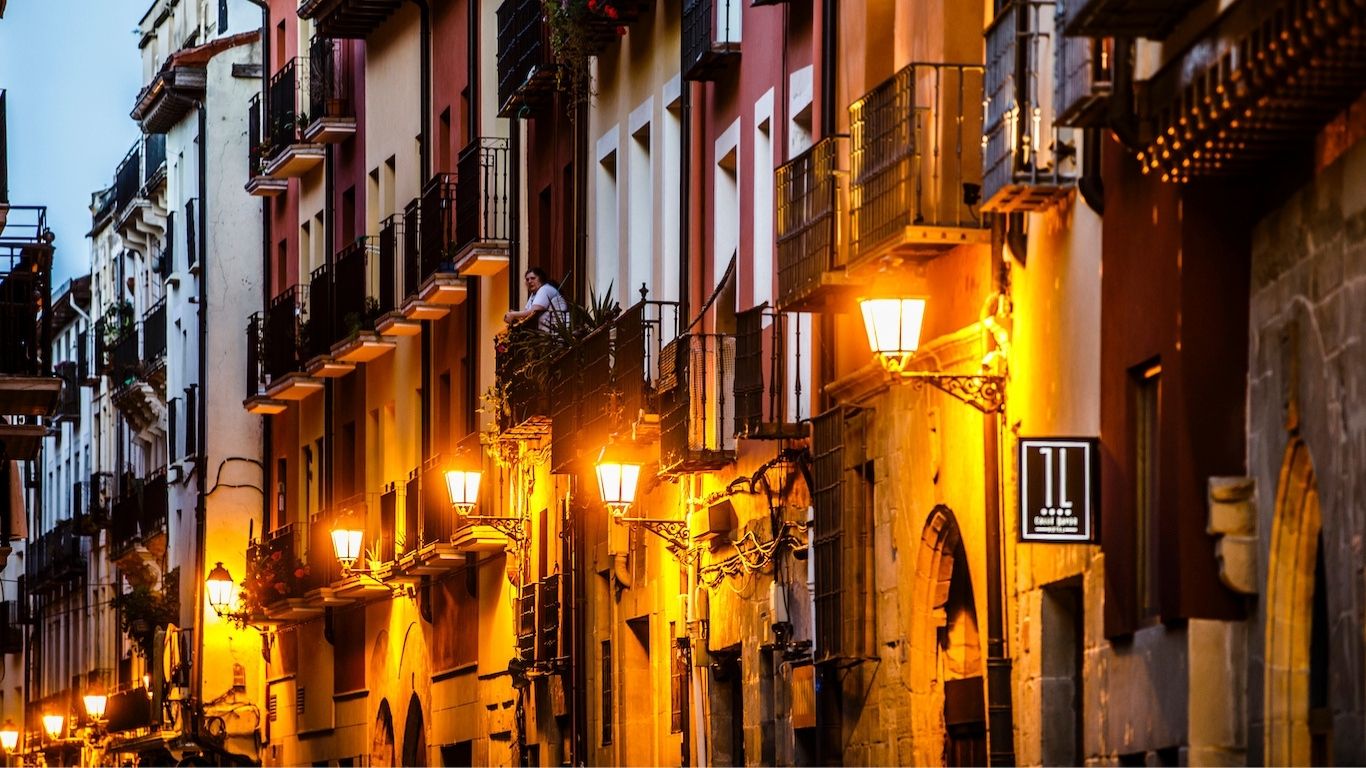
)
(286, 119)
(256, 379)
(125, 362)
(696, 428)
(357, 288)
(382, 534)
(524, 382)
(1022, 145)
(255, 161)
(481, 194)
(642, 332)
(390, 264)
(411, 249)
(284, 325)
(329, 78)
(916, 153)
(710, 37)
(321, 329)
(154, 154)
(25, 292)
(139, 513)
(809, 188)
(768, 385)
(128, 178)
(58, 553)
(523, 50)
(437, 225)
(154, 332)
(438, 519)
(70, 406)
(1081, 75)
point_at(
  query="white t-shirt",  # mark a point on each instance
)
(548, 298)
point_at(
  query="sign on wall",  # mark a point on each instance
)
(1059, 486)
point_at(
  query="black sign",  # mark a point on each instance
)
(1059, 485)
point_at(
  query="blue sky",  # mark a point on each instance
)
(72, 69)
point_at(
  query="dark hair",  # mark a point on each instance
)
(542, 276)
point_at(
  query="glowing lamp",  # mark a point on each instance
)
(53, 724)
(346, 543)
(9, 736)
(893, 327)
(220, 588)
(463, 487)
(618, 476)
(94, 705)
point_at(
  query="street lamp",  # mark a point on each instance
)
(893, 326)
(346, 539)
(219, 586)
(462, 486)
(95, 703)
(619, 470)
(9, 736)
(54, 724)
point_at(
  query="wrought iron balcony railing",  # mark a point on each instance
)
(139, 514)
(390, 268)
(697, 426)
(916, 162)
(154, 333)
(128, 178)
(523, 374)
(812, 194)
(579, 380)
(437, 518)
(125, 364)
(256, 378)
(358, 287)
(711, 37)
(285, 109)
(482, 204)
(255, 135)
(770, 380)
(25, 294)
(411, 246)
(1082, 79)
(321, 329)
(70, 407)
(1029, 163)
(284, 332)
(154, 156)
(57, 555)
(525, 67)
(329, 83)
(383, 535)
(437, 225)
(642, 332)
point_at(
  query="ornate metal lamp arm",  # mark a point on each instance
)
(985, 392)
(512, 527)
(675, 532)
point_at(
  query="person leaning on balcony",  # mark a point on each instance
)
(543, 304)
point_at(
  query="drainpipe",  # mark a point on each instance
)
(684, 193)
(425, 151)
(1000, 711)
(1090, 185)
(267, 470)
(201, 437)
(329, 387)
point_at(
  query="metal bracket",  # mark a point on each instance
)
(984, 392)
(675, 532)
(512, 527)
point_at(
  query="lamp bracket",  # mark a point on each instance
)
(512, 527)
(984, 392)
(675, 532)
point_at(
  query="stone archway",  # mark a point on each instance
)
(1295, 530)
(414, 734)
(946, 656)
(382, 736)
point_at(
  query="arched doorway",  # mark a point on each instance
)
(1295, 693)
(947, 652)
(382, 736)
(414, 735)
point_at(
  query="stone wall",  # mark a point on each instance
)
(1308, 374)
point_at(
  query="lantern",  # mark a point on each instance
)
(219, 585)
(346, 539)
(618, 475)
(463, 487)
(95, 702)
(893, 327)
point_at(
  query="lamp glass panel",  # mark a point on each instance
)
(346, 543)
(9, 737)
(893, 325)
(53, 725)
(617, 482)
(220, 592)
(95, 704)
(463, 487)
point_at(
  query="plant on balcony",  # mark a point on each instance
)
(535, 351)
(142, 611)
(575, 25)
(272, 575)
(117, 319)
(363, 320)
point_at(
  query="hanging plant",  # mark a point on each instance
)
(272, 575)
(577, 28)
(142, 611)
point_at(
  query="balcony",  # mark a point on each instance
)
(140, 214)
(173, 92)
(331, 111)
(258, 183)
(137, 531)
(916, 164)
(1030, 163)
(1082, 80)
(1260, 85)
(393, 245)
(93, 498)
(285, 348)
(138, 375)
(711, 37)
(481, 208)
(430, 523)
(70, 407)
(641, 332)
(697, 380)
(362, 275)
(55, 558)
(287, 155)
(523, 377)
(429, 232)
(347, 18)
(769, 376)
(256, 401)
(812, 192)
(526, 70)
(1125, 18)
(286, 603)
(579, 384)
(27, 386)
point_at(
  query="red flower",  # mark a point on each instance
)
(275, 555)
(298, 573)
(611, 12)
(280, 587)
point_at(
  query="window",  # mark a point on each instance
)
(443, 140)
(609, 260)
(348, 215)
(1146, 461)
(606, 692)
(762, 256)
(828, 538)
(678, 683)
(640, 258)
